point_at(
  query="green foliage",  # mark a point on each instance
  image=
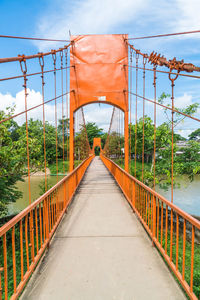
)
(115, 145)
(11, 162)
(93, 131)
(13, 153)
(195, 135)
(81, 147)
(97, 151)
(187, 162)
(188, 110)
(103, 139)
(63, 126)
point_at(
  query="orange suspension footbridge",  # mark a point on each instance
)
(99, 232)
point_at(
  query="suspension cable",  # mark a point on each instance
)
(167, 72)
(41, 62)
(154, 150)
(67, 107)
(167, 107)
(163, 35)
(63, 136)
(118, 128)
(172, 155)
(109, 130)
(144, 64)
(136, 89)
(32, 38)
(31, 74)
(54, 63)
(29, 109)
(173, 64)
(130, 100)
(22, 57)
(24, 71)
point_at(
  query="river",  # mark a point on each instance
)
(23, 202)
(187, 197)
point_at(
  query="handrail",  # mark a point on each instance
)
(168, 225)
(22, 214)
(185, 215)
(34, 228)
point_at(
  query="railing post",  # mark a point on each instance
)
(154, 219)
(126, 142)
(1, 270)
(133, 194)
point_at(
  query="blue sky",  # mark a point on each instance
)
(54, 19)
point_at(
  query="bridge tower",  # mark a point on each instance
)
(96, 143)
(99, 74)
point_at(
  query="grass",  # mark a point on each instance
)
(120, 162)
(53, 168)
(17, 257)
(196, 273)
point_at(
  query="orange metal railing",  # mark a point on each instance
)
(25, 237)
(172, 230)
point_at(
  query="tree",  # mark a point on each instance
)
(187, 163)
(13, 153)
(81, 147)
(113, 149)
(188, 110)
(103, 139)
(195, 135)
(11, 162)
(93, 131)
(148, 137)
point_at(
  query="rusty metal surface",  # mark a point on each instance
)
(173, 64)
(25, 57)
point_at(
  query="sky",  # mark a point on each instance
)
(56, 19)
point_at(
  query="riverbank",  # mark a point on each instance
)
(37, 185)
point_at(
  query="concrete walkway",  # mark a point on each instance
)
(101, 251)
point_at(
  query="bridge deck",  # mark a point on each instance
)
(100, 251)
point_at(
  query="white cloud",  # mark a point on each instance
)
(189, 15)
(184, 133)
(108, 16)
(87, 17)
(183, 101)
(34, 98)
(100, 115)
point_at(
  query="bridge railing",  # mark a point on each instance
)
(174, 232)
(25, 237)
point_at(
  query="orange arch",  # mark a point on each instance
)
(107, 102)
(96, 143)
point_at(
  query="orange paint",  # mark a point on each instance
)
(98, 73)
(96, 143)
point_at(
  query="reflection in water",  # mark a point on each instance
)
(187, 197)
(23, 202)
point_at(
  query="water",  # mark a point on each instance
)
(23, 202)
(187, 197)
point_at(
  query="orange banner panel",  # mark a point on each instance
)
(99, 70)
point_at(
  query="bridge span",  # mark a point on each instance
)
(101, 251)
